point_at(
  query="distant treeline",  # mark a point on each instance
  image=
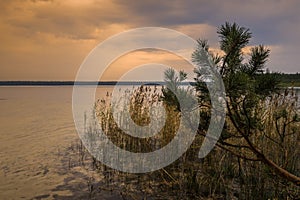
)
(290, 79)
(286, 80)
(71, 83)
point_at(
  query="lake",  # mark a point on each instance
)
(36, 129)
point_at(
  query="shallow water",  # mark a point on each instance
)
(36, 128)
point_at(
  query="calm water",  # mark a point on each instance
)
(36, 128)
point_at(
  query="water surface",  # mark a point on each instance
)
(36, 127)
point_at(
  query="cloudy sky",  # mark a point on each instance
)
(49, 39)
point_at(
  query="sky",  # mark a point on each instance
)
(49, 39)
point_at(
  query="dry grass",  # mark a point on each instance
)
(220, 175)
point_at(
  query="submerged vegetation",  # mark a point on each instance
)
(257, 155)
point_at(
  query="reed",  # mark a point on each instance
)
(220, 175)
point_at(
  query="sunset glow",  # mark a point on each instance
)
(49, 39)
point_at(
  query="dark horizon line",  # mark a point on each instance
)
(87, 83)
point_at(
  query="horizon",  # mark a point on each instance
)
(103, 81)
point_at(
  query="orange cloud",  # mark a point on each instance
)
(48, 39)
(140, 57)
